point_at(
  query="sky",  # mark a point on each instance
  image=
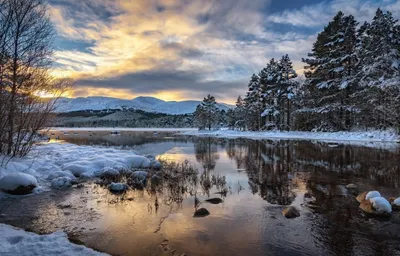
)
(186, 49)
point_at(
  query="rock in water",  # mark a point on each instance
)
(382, 205)
(202, 212)
(291, 212)
(215, 200)
(361, 197)
(352, 186)
(18, 183)
(369, 209)
(372, 194)
(117, 187)
(395, 203)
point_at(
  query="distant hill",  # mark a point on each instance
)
(148, 104)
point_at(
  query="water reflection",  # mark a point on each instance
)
(260, 179)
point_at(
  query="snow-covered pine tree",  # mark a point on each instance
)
(253, 105)
(240, 114)
(207, 112)
(379, 53)
(286, 84)
(330, 74)
(269, 95)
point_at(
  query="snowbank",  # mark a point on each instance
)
(109, 129)
(368, 136)
(49, 161)
(18, 242)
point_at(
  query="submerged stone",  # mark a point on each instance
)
(202, 212)
(215, 200)
(291, 212)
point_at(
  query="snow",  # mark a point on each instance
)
(148, 104)
(367, 136)
(122, 129)
(19, 242)
(372, 194)
(397, 201)
(61, 182)
(381, 204)
(49, 161)
(13, 180)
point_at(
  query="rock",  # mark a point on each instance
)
(291, 212)
(352, 186)
(61, 182)
(202, 212)
(140, 176)
(215, 200)
(368, 208)
(395, 203)
(155, 180)
(372, 194)
(380, 204)
(361, 197)
(109, 173)
(117, 187)
(18, 183)
(155, 164)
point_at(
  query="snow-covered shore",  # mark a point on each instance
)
(19, 242)
(126, 129)
(363, 136)
(49, 161)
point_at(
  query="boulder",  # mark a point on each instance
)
(18, 183)
(352, 186)
(291, 212)
(372, 194)
(202, 212)
(109, 173)
(369, 209)
(117, 187)
(395, 203)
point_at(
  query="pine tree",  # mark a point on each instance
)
(379, 52)
(253, 104)
(240, 113)
(207, 113)
(330, 73)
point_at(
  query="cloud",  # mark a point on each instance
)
(319, 14)
(183, 49)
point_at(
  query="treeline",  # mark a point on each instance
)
(352, 81)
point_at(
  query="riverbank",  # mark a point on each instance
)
(362, 136)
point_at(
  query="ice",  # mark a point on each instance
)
(372, 194)
(14, 180)
(19, 242)
(381, 204)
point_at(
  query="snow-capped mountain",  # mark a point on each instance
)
(149, 104)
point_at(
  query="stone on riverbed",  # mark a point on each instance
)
(117, 187)
(395, 203)
(376, 207)
(291, 212)
(367, 195)
(202, 212)
(214, 200)
(18, 183)
(109, 173)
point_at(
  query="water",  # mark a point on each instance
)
(262, 178)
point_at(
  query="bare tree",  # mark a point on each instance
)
(26, 37)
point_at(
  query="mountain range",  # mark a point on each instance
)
(148, 104)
